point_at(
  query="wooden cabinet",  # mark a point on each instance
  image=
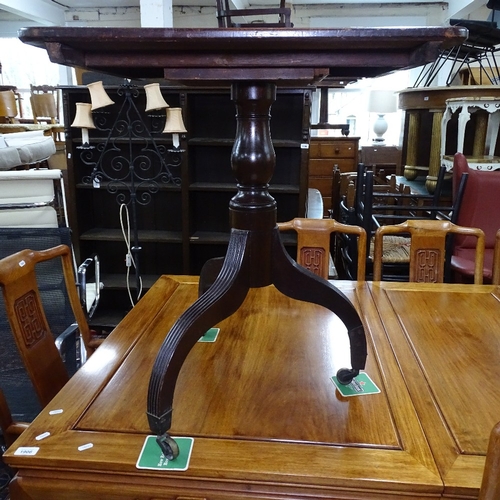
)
(186, 224)
(324, 154)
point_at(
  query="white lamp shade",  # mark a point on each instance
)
(382, 102)
(154, 99)
(98, 95)
(174, 123)
(83, 116)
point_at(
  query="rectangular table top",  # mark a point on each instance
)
(214, 55)
(264, 413)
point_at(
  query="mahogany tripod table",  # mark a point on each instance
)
(254, 62)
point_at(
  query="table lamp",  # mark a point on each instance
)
(174, 125)
(154, 97)
(98, 95)
(381, 102)
(83, 120)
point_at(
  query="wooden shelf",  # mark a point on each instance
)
(184, 225)
(206, 237)
(145, 236)
(213, 186)
(208, 186)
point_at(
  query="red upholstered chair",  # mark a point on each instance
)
(480, 208)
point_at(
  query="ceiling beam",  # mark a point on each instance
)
(39, 11)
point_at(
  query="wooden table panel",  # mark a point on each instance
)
(243, 385)
(449, 353)
(265, 416)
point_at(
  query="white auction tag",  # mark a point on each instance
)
(85, 446)
(42, 436)
(27, 451)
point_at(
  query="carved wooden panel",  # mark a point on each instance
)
(428, 265)
(30, 319)
(312, 258)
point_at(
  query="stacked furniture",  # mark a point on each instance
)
(280, 16)
(372, 208)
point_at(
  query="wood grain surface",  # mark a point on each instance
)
(266, 418)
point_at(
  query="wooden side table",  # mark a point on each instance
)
(424, 109)
(485, 134)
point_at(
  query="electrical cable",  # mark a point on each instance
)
(129, 258)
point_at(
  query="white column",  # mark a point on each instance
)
(157, 14)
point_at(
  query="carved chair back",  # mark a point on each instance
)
(427, 248)
(25, 311)
(313, 243)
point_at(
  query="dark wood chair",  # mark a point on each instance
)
(225, 15)
(427, 249)
(375, 207)
(388, 158)
(313, 243)
(336, 195)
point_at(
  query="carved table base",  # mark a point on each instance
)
(255, 258)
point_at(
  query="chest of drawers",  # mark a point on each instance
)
(324, 154)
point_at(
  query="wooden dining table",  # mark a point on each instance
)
(267, 421)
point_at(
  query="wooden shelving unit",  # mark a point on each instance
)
(183, 226)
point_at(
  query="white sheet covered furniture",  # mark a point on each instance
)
(25, 148)
(34, 201)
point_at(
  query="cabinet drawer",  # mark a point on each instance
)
(322, 184)
(333, 149)
(321, 167)
(325, 167)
